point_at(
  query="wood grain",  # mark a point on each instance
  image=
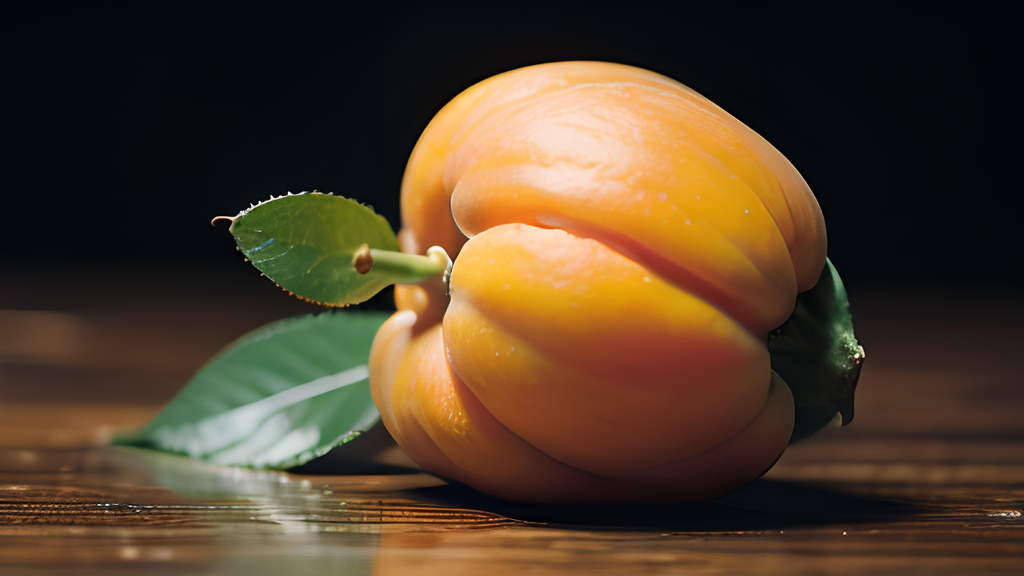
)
(929, 478)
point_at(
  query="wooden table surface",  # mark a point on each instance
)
(928, 479)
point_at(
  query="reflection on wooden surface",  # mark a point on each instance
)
(929, 479)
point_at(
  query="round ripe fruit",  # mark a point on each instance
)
(622, 248)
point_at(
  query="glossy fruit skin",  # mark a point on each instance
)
(630, 247)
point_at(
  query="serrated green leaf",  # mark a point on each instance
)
(305, 243)
(278, 397)
(818, 356)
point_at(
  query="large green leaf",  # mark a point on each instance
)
(278, 397)
(818, 356)
(306, 243)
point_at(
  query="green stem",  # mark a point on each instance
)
(401, 268)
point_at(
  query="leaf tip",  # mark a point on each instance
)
(218, 219)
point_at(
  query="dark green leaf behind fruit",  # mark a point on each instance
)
(278, 397)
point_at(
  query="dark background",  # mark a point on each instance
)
(127, 126)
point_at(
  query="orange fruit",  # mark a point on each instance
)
(622, 248)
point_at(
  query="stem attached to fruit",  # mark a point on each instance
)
(404, 268)
(816, 353)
